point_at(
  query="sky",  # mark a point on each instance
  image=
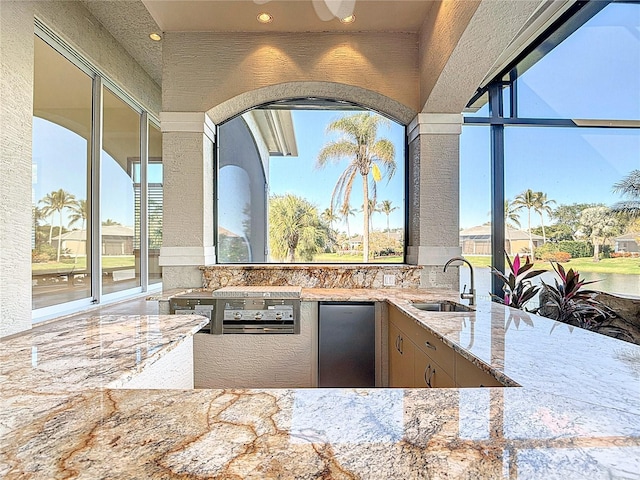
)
(594, 74)
(60, 161)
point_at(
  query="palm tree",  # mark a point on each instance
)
(386, 208)
(511, 219)
(330, 216)
(346, 211)
(79, 213)
(373, 208)
(366, 154)
(47, 210)
(294, 228)
(57, 201)
(109, 222)
(527, 199)
(629, 187)
(542, 205)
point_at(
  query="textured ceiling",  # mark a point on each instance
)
(131, 21)
(289, 15)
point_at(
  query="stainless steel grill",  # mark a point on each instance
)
(245, 309)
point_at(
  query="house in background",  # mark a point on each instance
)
(627, 243)
(116, 240)
(477, 241)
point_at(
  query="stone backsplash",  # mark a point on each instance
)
(311, 276)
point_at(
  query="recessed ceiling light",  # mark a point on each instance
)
(156, 37)
(265, 17)
(349, 19)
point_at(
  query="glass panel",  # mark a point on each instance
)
(277, 202)
(120, 150)
(154, 177)
(561, 182)
(61, 148)
(475, 206)
(592, 74)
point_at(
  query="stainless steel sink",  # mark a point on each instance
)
(442, 306)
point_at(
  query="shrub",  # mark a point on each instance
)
(544, 251)
(576, 249)
(559, 257)
(43, 253)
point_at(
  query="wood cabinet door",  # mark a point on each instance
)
(401, 354)
(428, 374)
(469, 375)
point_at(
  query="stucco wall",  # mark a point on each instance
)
(202, 70)
(72, 22)
(16, 88)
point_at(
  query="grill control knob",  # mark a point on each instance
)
(258, 315)
(237, 316)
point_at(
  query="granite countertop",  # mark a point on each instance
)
(576, 415)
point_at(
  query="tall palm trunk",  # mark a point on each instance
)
(51, 228)
(530, 235)
(59, 236)
(388, 231)
(365, 212)
(544, 235)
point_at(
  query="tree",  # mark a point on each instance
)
(57, 201)
(48, 201)
(527, 199)
(109, 222)
(346, 211)
(598, 224)
(629, 187)
(330, 216)
(79, 213)
(541, 206)
(366, 155)
(373, 208)
(295, 229)
(511, 219)
(386, 208)
(569, 215)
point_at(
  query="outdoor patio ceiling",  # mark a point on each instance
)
(288, 15)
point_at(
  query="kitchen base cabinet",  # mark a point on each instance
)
(427, 373)
(401, 359)
(418, 358)
(469, 375)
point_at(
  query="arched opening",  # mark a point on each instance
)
(292, 179)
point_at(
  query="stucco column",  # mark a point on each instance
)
(16, 216)
(188, 217)
(433, 237)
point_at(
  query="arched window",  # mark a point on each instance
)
(291, 182)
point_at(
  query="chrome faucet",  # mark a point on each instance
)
(471, 295)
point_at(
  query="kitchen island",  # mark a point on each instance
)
(68, 408)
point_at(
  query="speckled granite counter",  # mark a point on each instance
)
(576, 416)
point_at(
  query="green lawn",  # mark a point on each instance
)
(107, 262)
(627, 266)
(337, 258)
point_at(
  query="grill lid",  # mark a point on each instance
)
(267, 291)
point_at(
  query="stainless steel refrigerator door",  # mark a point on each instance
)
(346, 351)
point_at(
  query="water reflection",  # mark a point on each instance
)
(615, 283)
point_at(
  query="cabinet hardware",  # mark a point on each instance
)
(428, 345)
(401, 346)
(427, 380)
